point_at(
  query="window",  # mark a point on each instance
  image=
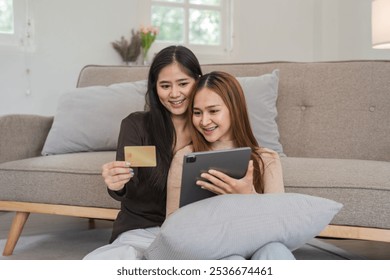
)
(16, 29)
(6, 17)
(202, 25)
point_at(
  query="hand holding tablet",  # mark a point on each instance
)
(232, 162)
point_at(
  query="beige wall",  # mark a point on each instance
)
(70, 34)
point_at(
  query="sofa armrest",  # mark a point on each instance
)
(23, 136)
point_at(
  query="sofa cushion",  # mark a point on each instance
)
(70, 179)
(88, 119)
(261, 93)
(362, 186)
(235, 224)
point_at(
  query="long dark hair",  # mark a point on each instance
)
(230, 90)
(159, 122)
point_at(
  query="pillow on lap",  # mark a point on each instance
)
(238, 224)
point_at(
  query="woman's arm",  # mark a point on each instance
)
(221, 183)
(119, 174)
(272, 174)
(174, 180)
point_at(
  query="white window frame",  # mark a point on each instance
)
(23, 36)
(220, 51)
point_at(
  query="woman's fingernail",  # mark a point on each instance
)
(127, 164)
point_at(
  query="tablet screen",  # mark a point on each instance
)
(233, 162)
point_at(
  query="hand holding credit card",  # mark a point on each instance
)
(141, 156)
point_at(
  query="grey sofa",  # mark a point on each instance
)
(334, 124)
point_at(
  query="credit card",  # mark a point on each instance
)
(141, 156)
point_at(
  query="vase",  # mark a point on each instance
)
(130, 63)
(145, 57)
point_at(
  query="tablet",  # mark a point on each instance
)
(233, 162)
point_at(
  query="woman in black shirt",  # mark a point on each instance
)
(142, 191)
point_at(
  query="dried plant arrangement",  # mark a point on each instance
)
(129, 52)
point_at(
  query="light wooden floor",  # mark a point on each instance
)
(40, 224)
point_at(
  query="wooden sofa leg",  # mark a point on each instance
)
(15, 231)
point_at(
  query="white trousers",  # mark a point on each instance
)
(129, 245)
(270, 251)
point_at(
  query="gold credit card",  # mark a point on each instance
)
(141, 156)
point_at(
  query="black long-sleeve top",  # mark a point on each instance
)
(142, 206)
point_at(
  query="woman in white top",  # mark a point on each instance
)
(219, 120)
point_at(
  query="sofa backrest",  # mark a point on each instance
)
(325, 109)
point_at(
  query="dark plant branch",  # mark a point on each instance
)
(128, 51)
